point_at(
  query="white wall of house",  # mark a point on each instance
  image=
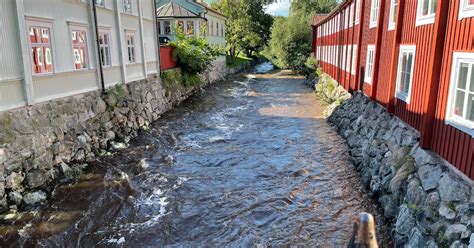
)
(216, 35)
(21, 84)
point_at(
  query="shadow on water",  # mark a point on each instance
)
(245, 162)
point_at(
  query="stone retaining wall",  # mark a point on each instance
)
(430, 203)
(41, 143)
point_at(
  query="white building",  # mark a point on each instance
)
(194, 17)
(49, 47)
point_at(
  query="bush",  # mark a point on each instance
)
(328, 91)
(192, 53)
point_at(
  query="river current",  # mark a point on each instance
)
(248, 162)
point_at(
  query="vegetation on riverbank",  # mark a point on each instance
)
(290, 42)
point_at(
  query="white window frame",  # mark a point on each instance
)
(109, 46)
(100, 3)
(406, 97)
(134, 46)
(424, 19)
(368, 76)
(357, 12)
(81, 28)
(41, 23)
(452, 120)
(393, 7)
(465, 10)
(354, 59)
(127, 7)
(374, 13)
(163, 30)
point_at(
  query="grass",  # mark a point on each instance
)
(240, 59)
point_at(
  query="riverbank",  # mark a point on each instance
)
(43, 144)
(430, 202)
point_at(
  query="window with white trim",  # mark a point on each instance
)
(426, 12)
(189, 27)
(131, 44)
(460, 109)
(354, 59)
(39, 38)
(104, 45)
(466, 9)
(167, 27)
(369, 64)
(127, 6)
(79, 47)
(100, 3)
(393, 14)
(374, 13)
(357, 17)
(406, 63)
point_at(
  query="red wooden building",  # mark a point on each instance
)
(416, 58)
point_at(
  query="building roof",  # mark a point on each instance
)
(317, 18)
(208, 8)
(174, 10)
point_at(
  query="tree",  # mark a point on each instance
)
(248, 26)
(313, 6)
(290, 43)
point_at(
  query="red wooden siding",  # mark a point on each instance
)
(166, 58)
(455, 146)
(426, 109)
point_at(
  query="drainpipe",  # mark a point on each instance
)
(96, 26)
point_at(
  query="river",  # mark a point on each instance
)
(249, 162)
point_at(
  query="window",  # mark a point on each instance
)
(222, 30)
(211, 28)
(393, 14)
(167, 27)
(374, 13)
(79, 48)
(460, 110)
(180, 25)
(100, 3)
(406, 63)
(131, 48)
(357, 17)
(354, 60)
(127, 6)
(369, 67)
(466, 9)
(217, 28)
(39, 38)
(104, 44)
(190, 27)
(426, 12)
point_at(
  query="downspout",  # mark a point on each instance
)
(96, 26)
(157, 39)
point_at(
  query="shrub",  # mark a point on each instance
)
(192, 53)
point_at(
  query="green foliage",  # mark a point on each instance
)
(238, 60)
(248, 26)
(313, 6)
(175, 79)
(290, 43)
(193, 53)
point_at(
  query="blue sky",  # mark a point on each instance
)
(280, 8)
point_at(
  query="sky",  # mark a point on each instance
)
(280, 8)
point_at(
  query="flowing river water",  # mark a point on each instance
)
(249, 162)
